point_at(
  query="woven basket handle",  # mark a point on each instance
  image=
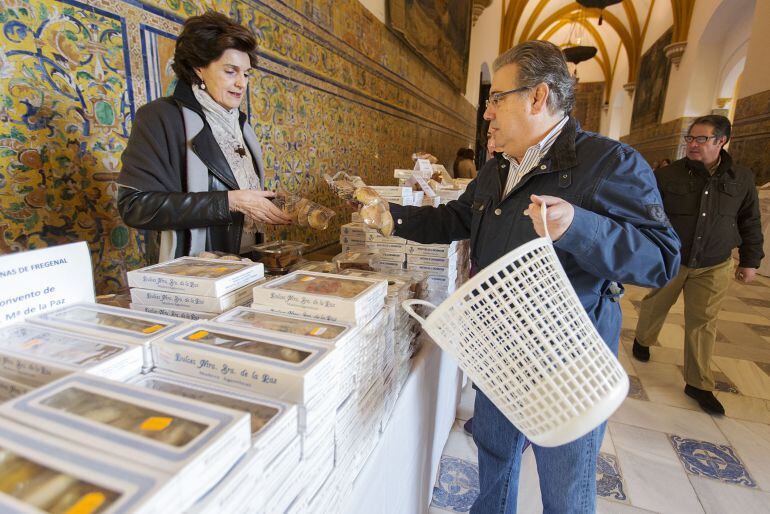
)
(543, 214)
(407, 305)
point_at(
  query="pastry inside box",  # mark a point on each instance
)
(324, 297)
(111, 324)
(319, 332)
(198, 276)
(43, 473)
(278, 367)
(273, 423)
(193, 442)
(278, 256)
(58, 348)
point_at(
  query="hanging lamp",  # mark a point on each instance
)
(598, 4)
(574, 49)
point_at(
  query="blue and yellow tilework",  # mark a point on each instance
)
(335, 91)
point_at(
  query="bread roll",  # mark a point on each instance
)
(319, 219)
(387, 224)
(367, 195)
(372, 214)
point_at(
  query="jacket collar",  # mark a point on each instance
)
(725, 164)
(562, 154)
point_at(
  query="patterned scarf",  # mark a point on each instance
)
(227, 133)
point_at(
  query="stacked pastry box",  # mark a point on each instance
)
(343, 338)
(193, 288)
(33, 355)
(43, 473)
(282, 366)
(391, 250)
(449, 193)
(20, 374)
(401, 195)
(341, 299)
(399, 335)
(105, 443)
(357, 419)
(445, 264)
(274, 435)
(109, 326)
(352, 237)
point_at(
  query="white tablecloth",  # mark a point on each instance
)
(399, 475)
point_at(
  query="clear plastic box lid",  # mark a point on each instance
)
(200, 268)
(261, 413)
(279, 247)
(58, 346)
(347, 287)
(323, 331)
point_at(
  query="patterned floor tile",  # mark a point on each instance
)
(635, 389)
(715, 461)
(457, 485)
(609, 481)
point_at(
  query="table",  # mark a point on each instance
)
(398, 476)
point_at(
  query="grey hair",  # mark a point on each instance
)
(542, 62)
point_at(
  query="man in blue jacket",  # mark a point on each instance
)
(608, 225)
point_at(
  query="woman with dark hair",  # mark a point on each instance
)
(464, 167)
(192, 169)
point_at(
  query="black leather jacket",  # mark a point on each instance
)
(152, 193)
(712, 214)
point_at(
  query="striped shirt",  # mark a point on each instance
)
(532, 157)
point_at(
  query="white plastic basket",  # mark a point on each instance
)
(519, 331)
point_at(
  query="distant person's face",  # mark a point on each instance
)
(490, 142)
(706, 152)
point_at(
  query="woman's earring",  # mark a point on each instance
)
(203, 85)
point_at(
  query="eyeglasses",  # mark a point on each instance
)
(495, 99)
(698, 139)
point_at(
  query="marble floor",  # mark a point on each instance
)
(661, 453)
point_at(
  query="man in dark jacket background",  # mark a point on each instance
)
(713, 206)
(607, 221)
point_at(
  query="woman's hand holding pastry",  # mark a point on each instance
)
(257, 205)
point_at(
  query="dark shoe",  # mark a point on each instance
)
(705, 399)
(641, 353)
(468, 427)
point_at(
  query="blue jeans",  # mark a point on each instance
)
(567, 473)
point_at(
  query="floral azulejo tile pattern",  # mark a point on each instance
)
(716, 461)
(609, 481)
(457, 486)
(635, 389)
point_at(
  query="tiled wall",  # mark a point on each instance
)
(588, 104)
(664, 141)
(335, 91)
(750, 144)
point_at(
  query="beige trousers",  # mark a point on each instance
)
(704, 289)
